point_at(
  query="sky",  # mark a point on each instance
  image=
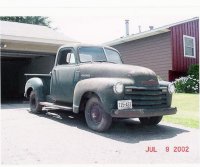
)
(103, 29)
(100, 21)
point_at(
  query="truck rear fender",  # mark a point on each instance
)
(35, 84)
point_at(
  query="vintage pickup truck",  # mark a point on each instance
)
(94, 80)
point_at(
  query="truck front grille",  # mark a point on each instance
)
(143, 97)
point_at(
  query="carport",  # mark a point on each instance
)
(26, 48)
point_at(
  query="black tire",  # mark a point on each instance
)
(96, 117)
(35, 106)
(150, 120)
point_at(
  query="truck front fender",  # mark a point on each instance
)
(169, 96)
(35, 84)
(102, 87)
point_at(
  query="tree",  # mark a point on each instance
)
(37, 20)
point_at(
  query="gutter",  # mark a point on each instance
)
(34, 40)
(148, 33)
(138, 36)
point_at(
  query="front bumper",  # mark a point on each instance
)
(137, 113)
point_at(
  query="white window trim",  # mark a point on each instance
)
(194, 43)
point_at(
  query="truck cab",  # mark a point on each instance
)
(94, 80)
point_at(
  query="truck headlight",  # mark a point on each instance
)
(118, 88)
(171, 88)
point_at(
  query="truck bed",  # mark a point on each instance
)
(37, 75)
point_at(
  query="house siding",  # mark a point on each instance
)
(179, 62)
(152, 52)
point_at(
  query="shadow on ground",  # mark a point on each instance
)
(124, 130)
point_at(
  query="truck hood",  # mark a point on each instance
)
(140, 75)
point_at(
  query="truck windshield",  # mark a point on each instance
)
(98, 54)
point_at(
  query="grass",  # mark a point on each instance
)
(188, 110)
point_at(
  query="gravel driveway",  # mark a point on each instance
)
(63, 137)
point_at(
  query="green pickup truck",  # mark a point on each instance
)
(94, 80)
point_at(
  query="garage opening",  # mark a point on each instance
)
(14, 65)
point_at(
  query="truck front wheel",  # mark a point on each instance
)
(35, 106)
(150, 120)
(96, 118)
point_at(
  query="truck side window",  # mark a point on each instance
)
(66, 56)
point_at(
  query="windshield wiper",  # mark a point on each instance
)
(100, 61)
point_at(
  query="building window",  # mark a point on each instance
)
(189, 46)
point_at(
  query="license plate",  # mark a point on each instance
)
(124, 104)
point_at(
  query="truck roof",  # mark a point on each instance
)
(78, 45)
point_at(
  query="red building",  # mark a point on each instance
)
(185, 47)
(168, 50)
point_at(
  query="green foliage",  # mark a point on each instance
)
(194, 70)
(37, 20)
(190, 83)
(187, 84)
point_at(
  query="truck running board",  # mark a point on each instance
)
(52, 105)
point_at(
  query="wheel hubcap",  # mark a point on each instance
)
(95, 114)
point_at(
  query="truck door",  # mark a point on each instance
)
(63, 76)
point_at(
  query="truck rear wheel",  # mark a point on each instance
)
(35, 106)
(96, 117)
(150, 120)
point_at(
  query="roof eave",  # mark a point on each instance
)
(137, 36)
(148, 33)
(34, 40)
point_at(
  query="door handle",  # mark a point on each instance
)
(77, 76)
